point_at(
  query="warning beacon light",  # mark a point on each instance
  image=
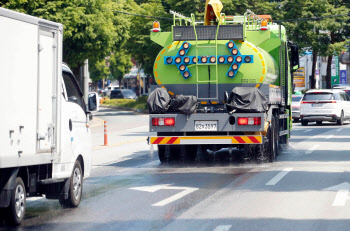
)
(156, 26)
(263, 25)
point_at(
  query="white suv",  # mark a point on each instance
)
(325, 105)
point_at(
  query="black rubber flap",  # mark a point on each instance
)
(158, 101)
(185, 104)
(247, 99)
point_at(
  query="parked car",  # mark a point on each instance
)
(113, 87)
(340, 86)
(123, 94)
(296, 99)
(325, 105)
(103, 92)
(344, 87)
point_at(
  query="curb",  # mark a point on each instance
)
(127, 109)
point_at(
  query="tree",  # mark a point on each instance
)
(140, 46)
(305, 33)
(91, 30)
(334, 27)
(99, 70)
(120, 64)
(324, 37)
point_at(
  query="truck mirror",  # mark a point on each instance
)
(295, 56)
(92, 102)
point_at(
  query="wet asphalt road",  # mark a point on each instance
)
(307, 188)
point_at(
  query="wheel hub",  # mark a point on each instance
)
(19, 199)
(77, 183)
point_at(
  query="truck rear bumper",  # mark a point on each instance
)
(181, 140)
(225, 122)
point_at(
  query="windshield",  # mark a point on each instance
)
(128, 93)
(296, 98)
(319, 96)
(347, 92)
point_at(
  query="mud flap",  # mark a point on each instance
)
(65, 190)
(7, 184)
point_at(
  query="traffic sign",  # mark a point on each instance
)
(343, 77)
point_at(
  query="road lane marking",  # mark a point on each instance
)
(342, 193)
(308, 130)
(154, 188)
(279, 176)
(222, 228)
(341, 198)
(339, 129)
(101, 122)
(313, 148)
(330, 136)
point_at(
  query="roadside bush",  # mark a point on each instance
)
(140, 103)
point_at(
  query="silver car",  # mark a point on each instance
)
(296, 99)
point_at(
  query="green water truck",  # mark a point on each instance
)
(210, 59)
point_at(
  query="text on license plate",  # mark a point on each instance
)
(206, 125)
(317, 105)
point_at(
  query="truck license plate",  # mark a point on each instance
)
(206, 125)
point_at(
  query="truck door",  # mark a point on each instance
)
(76, 136)
(47, 69)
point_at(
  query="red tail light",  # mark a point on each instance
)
(249, 120)
(163, 121)
(169, 121)
(242, 121)
(333, 101)
(155, 122)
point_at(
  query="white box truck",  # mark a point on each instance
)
(44, 134)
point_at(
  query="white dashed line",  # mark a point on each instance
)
(330, 136)
(308, 130)
(339, 129)
(223, 228)
(279, 176)
(313, 148)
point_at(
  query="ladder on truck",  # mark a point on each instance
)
(212, 79)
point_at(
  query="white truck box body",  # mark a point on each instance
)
(35, 111)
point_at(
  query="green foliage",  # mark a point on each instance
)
(139, 45)
(91, 30)
(120, 64)
(140, 103)
(99, 70)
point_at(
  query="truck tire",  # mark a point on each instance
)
(340, 121)
(75, 188)
(319, 122)
(16, 210)
(168, 153)
(269, 148)
(277, 134)
(304, 122)
(249, 152)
